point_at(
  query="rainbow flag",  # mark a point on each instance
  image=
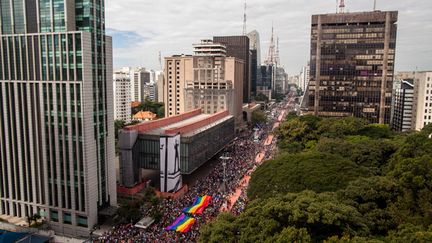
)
(182, 224)
(199, 205)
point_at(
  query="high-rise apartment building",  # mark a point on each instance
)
(208, 80)
(422, 105)
(139, 77)
(352, 65)
(56, 113)
(177, 70)
(402, 106)
(151, 91)
(122, 97)
(238, 47)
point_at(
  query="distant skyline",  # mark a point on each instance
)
(141, 29)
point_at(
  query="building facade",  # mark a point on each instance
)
(151, 91)
(122, 97)
(255, 57)
(207, 80)
(139, 77)
(304, 78)
(422, 107)
(202, 137)
(217, 83)
(160, 87)
(402, 106)
(352, 65)
(238, 47)
(56, 113)
(178, 69)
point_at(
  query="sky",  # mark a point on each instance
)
(143, 28)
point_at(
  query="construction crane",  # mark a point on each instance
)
(244, 19)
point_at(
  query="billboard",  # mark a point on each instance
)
(170, 175)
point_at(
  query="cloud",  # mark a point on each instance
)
(142, 28)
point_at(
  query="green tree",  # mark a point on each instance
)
(410, 233)
(118, 125)
(291, 115)
(261, 97)
(258, 117)
(149, 105)
(292, 234)
(305, 216)
(220, 230)
(340, 127)
(377, 131)
(372, 196)
(319, 172)
(415, 177)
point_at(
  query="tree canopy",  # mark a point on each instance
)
(337, 180)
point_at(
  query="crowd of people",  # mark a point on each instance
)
(241, 161)
(241, 154)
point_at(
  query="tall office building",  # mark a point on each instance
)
(402, 106)
(422, 105)
(56, 113)
(352, 65)
(255, 57)
(238, 47)
(122, 97)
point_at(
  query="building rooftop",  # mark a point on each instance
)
(187, 124)
(144, 115)
(355, 17)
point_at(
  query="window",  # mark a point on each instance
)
(54, 216)
(82, 221)
(67, 219)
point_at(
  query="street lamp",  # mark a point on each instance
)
(224, 160)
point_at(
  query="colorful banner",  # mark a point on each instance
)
(182, 224)
(199, 205)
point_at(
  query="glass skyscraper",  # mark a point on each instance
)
(352, 65)
(56, 112)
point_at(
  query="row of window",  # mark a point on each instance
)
(80, 220)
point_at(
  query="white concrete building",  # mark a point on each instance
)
(139, 76)
(422, 107)
(303, 80)
(122, 96)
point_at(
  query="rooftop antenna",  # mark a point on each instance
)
(277, 60)
(374, 5)
(337, 3)
(342, 6)
(244, 19)
(271, 53)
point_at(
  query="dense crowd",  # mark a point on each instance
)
(241, 162)
(241, 153)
